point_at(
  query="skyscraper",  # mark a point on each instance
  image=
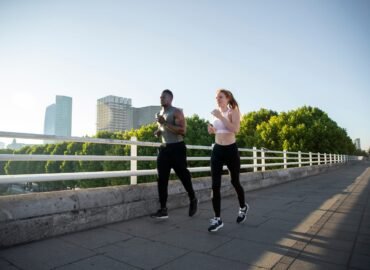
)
(357, 144)
(63, 116)
(114, 114)
(58, 117)
(117, 114)
(49, 122)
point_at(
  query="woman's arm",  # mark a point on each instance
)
(233, 121)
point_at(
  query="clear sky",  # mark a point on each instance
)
(278, 55)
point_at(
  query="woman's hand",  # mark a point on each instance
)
(211, 129)
(216, 113)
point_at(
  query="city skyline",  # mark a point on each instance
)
(278, 55)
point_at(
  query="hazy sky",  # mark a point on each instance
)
(278, 55)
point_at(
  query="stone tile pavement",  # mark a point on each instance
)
(320, 222)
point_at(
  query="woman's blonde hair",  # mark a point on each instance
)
(232, 101)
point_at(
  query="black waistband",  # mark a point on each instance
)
(163, 145)
(233, 145)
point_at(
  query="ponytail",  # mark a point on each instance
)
(233, 104)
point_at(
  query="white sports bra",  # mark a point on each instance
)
(219, 125)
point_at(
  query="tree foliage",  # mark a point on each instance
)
(304, 129)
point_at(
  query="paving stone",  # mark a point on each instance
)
(333, 243)
(309, 263)
(326, 255)
(360, 261)
(4, 265)
(201, 261)
(97, 263)
(142, 253)
(45, 254)
(96, 238)
(251, 253)
(193, 240)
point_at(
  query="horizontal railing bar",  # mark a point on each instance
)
(27, 157)
(30, 157)
(270, 158)
(6, 134)
(22, 178)
(200, 147)
(51, 177)
(246, 150)
(22, 157)
(246, 158)
(273, 151)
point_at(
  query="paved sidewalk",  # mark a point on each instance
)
(320, 222)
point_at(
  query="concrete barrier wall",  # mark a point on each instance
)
(30, 217)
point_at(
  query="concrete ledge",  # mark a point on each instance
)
(30, 217)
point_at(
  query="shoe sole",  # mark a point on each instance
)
(160, 217)
(216, 229)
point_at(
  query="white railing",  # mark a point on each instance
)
(259, 159)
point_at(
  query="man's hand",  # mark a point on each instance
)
(157, 133)
(160, 119)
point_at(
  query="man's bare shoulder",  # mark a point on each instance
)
(178, 110)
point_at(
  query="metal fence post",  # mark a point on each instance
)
(263, 168)
(334, 159)
(285, 159)
(330, 159)
(133, 163)
(325, 160)
(255, 162)
(299, 159)
(310, 155)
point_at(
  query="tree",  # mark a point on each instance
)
(304, 129)
(3, 163)
(248, 135)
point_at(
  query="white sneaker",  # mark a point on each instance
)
(242, 216)
(215, 224)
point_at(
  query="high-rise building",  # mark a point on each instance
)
(58, 117)
(114, 114)
(357, 144)
(63, 116)
(144, 115)
(117, 114)
(49, 122)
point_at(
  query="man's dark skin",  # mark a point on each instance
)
(180, 123)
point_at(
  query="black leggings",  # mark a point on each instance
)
(225, 155)
(172, 156)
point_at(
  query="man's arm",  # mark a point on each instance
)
(180, 123)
